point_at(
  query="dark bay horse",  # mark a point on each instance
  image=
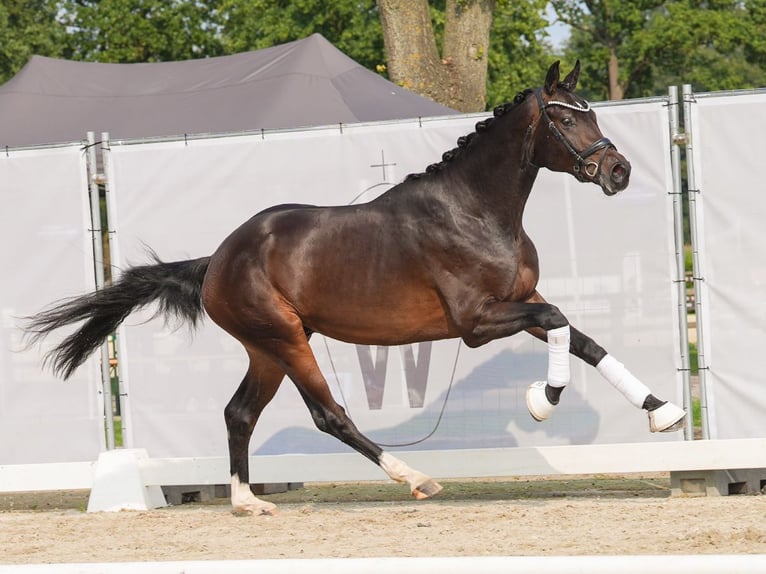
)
(441, 255)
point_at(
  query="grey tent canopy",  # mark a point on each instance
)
(308, 82)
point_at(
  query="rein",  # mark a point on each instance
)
(591, 169)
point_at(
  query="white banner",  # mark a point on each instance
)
(727, 137)
(606, 262)
(47, 255)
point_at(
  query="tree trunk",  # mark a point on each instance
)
(458, 78)
(466, 52)
(616, 89)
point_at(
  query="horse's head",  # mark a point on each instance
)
(564, 136)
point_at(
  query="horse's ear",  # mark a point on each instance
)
(552, 79)
(570, 82)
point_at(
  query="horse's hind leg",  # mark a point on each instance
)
(254, 393)
(331, 418)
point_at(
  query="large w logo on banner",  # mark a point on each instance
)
(415, 372)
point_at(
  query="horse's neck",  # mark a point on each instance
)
(497, 176)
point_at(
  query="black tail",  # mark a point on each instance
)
(175, 286)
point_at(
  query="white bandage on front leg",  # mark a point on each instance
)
(538, 403)
(558, 356)
(622, 379)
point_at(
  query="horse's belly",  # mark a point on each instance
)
(383, 322)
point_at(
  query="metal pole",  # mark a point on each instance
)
(114, 257)
(698, 277)
(98, 255)
(676, 139)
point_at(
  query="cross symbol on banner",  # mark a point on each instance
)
(383, 165)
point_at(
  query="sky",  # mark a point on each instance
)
(558, 32)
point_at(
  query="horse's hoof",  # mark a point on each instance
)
(427, 489)
(667, 418)
(256, 509)
(537, 403)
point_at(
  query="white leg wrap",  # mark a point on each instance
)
(558, 357)
(622, 380)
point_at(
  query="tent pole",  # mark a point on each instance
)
(676, 140)
(699, 309)
(98, 256)
(114, 258)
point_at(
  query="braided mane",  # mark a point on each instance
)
(464, 141)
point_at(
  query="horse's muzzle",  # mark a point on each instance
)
(617, 177)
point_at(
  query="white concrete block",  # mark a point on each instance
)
(119, 485)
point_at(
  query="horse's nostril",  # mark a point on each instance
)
(619, 172)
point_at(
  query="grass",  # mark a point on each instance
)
(694, 368)
(688, 260)
(456, 490)
(693, 362)
(696, 414)
(117, 421)
(118, 431)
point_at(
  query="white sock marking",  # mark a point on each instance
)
(243, 500)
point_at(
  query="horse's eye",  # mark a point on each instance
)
(567, 122)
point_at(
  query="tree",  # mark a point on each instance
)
(510, 53)
(126, 31)
(516, 55)
(519, 54)
(352, 26)
(27, 27)
(637, 48)
(465, 54)
(613, 32)
(458, 76)
(721, 46)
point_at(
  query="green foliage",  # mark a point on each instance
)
(519, 54)
(27, 27)
(353, 26)
(712, 45)
(140, 30)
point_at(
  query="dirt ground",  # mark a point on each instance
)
(534, 517)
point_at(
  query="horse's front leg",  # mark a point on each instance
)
(543, 396)
(496, 319)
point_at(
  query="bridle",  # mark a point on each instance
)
(582, 167)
